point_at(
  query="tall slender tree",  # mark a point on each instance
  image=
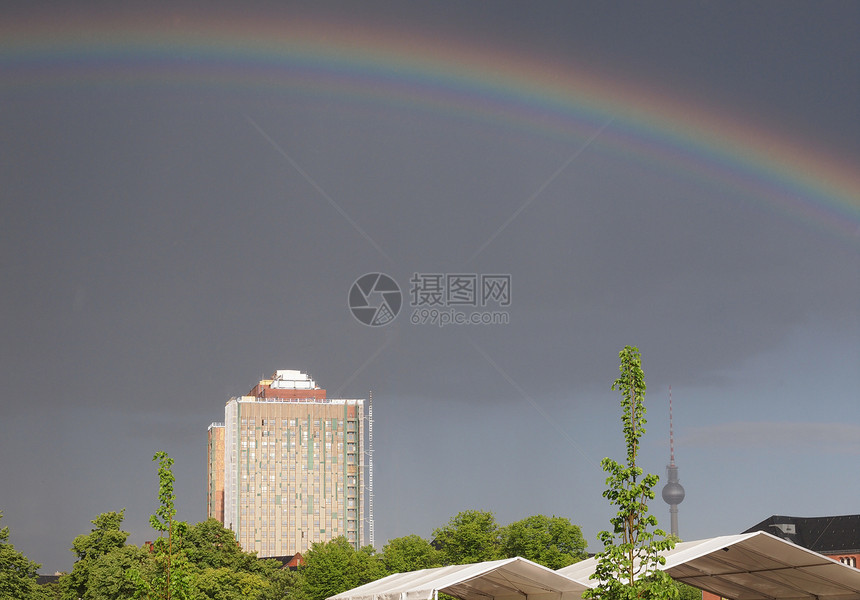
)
(628, 566)
(170, 579)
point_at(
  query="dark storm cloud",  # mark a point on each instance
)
(161, 253)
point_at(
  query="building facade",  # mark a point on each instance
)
(215, 462)
(291, 468)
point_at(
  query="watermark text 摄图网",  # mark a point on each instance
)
(438, 299)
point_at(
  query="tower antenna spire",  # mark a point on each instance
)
(671, 432)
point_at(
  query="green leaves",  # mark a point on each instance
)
(165, 512)
(628, 566)
(17, 572)
(170, 578)
(91, 549)
(469, 537)
(474, 536)
(335, 566)
(550, 541)
(410, 553)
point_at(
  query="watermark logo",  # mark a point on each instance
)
(375, 299)
(435, 298)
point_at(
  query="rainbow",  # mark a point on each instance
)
(401, 69)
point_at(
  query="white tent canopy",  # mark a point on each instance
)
(508, 579)
(751, 566)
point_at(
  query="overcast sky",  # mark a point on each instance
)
(188, 193)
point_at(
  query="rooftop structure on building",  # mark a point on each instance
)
(286, 467)
(837, 537)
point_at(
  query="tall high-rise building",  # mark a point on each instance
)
(286, 467)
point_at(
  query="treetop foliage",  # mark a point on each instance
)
(469, 537)
(17, 572)
(336, 566)
(550, 541)
(104, 537)
(211, 565)
(410, 553)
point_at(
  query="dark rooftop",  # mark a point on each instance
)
(825, 535)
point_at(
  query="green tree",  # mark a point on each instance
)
(49, 591)
(550, 541)
(17, 572)
(222, 570)
(107, 578)
(409, 553)
(284, 584)
(335, 566)
(688, 592)
(628, 565)
(469, 537)
(209, 544)
(105, 537)
(170, 578)
(225, 583)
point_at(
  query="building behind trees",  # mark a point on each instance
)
(286, 466)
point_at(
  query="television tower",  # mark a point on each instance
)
(673, 492)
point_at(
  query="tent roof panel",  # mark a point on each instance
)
(500, 579)
(751, 566)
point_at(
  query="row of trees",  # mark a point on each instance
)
(204, 561)
(470, 536)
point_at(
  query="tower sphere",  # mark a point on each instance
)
(673, 493)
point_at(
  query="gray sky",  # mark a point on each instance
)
(184, 207)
